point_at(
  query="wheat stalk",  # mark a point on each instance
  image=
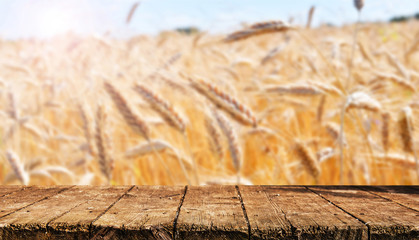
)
(105, 160)
(226, 102)
(131, 12)
(406, 129)
(214, 138)
(308, 160)
(385, 131)
(398, 65)
(258, 29)
(166, 111)
(303, 89)
(233, 146)
(397, 159)
(326, 87)
(17, 167)
(147, 148)
(136, 124)
(365, 53)
(412, 49)
(397, 80)
(310, 16)
(320, 109)
(12, 111)
(86, 129)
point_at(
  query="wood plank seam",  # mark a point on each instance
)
(178, 212)
(17, 190)
(60, 215)
(106, 210)
(385, 198)
(293, 228)
(37, 201)
(244, 211)
(352, 215)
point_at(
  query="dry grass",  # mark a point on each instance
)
(280, 100)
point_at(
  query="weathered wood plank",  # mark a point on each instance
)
(143, 213)
(93, 201)
(404, 195)
(6, 190)
(21, 201)
(212, 212)
(295, 212)
(36, 219)
(28, 196)
(385, 219)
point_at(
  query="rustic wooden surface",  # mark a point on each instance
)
(209, 212)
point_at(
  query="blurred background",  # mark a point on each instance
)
(324, 100)
(46, 18)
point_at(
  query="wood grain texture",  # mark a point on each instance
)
(6, 190)
(212, 212)
(90, 204)
(143, 213)
(295, 212)
(16, 207)
(404, 195)
(385, 219)
(209, 212)
(21, 199)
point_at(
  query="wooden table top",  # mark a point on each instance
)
(209, 212)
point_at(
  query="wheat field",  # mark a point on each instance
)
(269, 104)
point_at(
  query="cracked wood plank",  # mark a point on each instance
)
(385, 219)
(143, 213)
(34, 221)
(404, 195)
(27, 196)
(96, 202)
(212, 212)
(20, 201)
(294, 212)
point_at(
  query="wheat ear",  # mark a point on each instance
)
(224, 101)
(17, 167)
(308, 160)
(102, 144)
(303, 89)
(131, 12)
(310, 16)
(86, 129)
(320, 109)
(214, 138)
(385, 131)
(136, 124)
(133, 121)
(166, 111)
(406, 134)
(233, 146)
(359, 4)
(12, 111)
(258, 29)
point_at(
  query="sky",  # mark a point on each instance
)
(46, 18)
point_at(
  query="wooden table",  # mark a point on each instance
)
(209, 212)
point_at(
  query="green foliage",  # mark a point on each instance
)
(188, 30)
(404, 18)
